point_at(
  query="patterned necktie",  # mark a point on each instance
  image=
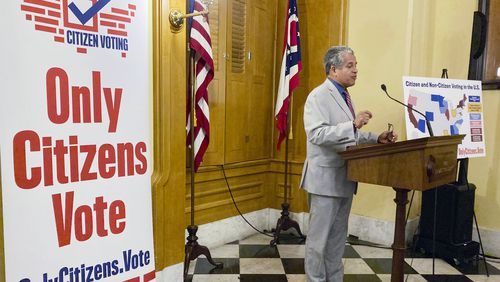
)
(349, 103)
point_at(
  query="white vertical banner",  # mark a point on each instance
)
(452, 106)
(75, 140)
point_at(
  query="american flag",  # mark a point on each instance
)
(291, 65)
(201, 48)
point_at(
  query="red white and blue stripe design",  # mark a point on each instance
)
(291, 65)
(201, 45)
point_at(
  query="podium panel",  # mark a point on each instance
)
(418, 164)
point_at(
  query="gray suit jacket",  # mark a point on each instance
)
(329, 129)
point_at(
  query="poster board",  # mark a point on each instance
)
(452, 107)
(75, 141)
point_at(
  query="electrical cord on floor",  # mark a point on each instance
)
(353, 241)
(490, 257)
(387, 247)
(236, 206)
(356, 242)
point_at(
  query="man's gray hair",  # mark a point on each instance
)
(335, 57)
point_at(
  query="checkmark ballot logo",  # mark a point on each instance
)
(90, 13)
(88, 25)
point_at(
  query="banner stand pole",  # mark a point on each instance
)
(192, 249)
(2, 240)
(285, 222)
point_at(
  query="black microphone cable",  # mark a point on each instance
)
(236, 206)
(427, 122)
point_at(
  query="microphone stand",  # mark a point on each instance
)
(427, 122)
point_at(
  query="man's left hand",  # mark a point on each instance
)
(387, 137)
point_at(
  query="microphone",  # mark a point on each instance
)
(427, 122)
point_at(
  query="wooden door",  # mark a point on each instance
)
(237, 82)
(260, 62)
(217, 88)
(249, 96)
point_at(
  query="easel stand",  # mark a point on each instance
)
(192, 249)
(444, 234)
(285, 222)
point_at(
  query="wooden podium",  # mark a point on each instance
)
(418, 164)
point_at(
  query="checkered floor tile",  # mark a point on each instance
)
(253, 259)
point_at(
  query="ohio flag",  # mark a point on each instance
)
(291, 65)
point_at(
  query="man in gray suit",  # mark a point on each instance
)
(331, 125)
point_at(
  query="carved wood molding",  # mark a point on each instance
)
(169, 82)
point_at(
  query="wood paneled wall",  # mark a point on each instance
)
(253, 167)
(169, 119)
(248, 181)
(250, 53)
(322, 25)
(241, 106)
(217, 88)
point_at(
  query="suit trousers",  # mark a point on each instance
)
(325, 244)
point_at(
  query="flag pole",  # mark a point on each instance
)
(192, 249)
(291, 60)
(285, 222)
(192, 125)
(287, 129)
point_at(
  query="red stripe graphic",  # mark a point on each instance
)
(106, 23)
(119, 11)
(44, 3)
(46, 20)
(116, 18)
(149, 276)
(45, 28)
(32, 9)
(54, 14)
(117, 32)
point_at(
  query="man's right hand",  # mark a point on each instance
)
(362, 118)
